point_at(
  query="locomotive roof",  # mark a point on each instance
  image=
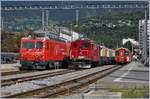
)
(122, 49)
(33, 38)
(85, 39)
(41, 38)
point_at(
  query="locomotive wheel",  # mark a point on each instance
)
(21, 68)
(57, 65)
(50, 65)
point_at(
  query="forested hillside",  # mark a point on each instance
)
(110, 28)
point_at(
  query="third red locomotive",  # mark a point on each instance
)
(84, 53)
(123, 55)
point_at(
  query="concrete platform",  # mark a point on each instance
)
(130, 75)
(9, 67)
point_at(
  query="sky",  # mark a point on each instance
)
(74, 0)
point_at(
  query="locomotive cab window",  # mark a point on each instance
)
(28, 45)
(47, 47)
(117, 53)
(84, 45)
(126, 53)
(74, 45)
(39, 45)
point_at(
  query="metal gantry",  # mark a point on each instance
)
(45, 5)
(66, 5)
(96, 6)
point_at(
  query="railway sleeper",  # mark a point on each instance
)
(69, 85)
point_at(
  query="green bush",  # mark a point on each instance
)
(132, 92)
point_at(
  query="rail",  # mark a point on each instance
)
(14, 80)
(71, 83)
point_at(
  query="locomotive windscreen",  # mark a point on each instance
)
(122, 52)
(31, 45)
(39, 45)
(84, 45)
(126, 53)
(28, 45)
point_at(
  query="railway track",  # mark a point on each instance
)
(67, 84)
(13, 80)
(15, 72)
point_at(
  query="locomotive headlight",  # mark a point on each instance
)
(21, 55)
(81, 57)
(80, 52)
(39, 55)
(127, 58)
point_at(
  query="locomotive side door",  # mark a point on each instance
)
(57, 52)
(47, 51)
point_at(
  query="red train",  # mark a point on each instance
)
(123, 55)
(42, 53)
(84, 53)
(45, 53)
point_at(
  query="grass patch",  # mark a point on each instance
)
(132, 92)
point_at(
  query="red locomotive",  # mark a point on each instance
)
(42, 53)
(123, 55)
(84, 53)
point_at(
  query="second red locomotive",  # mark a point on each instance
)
(84, 53)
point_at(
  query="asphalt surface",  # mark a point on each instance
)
(130, 75)
(133, 74)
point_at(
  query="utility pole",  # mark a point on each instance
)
(71, 32)
(145, 34)
(149, 31)
(117, 44)
(132, 48)
(2, 24)
(47, 15)
(43, 20)
(77, 17)
(93, 35)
